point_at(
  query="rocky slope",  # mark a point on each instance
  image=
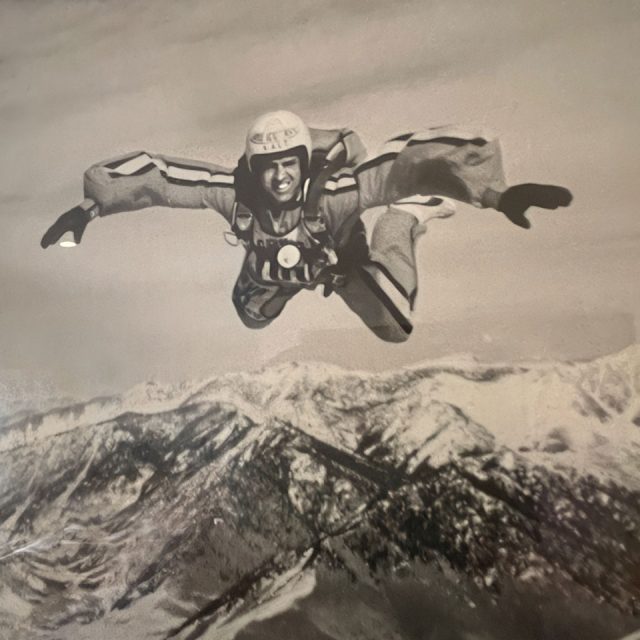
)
(450, 500)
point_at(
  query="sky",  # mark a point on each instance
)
(147, 294)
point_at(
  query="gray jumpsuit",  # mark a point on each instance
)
(380, 281)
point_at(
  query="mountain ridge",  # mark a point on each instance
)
(266, 488)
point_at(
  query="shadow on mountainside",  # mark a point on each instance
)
(309, 502)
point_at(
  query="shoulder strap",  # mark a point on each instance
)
(311, 210)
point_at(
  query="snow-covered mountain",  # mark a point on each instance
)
(449, 500)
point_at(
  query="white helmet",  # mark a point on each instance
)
(275, 132)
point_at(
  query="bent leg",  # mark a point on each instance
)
(389, 319)
(393, 253)
(382, 291)
(258, 304)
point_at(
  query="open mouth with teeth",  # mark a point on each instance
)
(282, 186)
(283, 189)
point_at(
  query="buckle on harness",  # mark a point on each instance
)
(335, 281)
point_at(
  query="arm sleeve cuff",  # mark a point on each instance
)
(490, 198)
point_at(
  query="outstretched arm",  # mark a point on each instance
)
(440, 161)
(141, 179)
(138, 180)
(444, 161)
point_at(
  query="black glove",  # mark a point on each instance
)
(75, 220)
(517, 199)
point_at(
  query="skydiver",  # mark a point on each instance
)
(294, 202)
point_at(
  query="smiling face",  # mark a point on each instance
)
(281, 178)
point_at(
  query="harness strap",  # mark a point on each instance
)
(242, 222)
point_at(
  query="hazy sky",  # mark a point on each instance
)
(147, 294)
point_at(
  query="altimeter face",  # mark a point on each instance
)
(288, 256)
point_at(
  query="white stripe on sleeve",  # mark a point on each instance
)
(132, 165)
(188, 174)
(341, 183)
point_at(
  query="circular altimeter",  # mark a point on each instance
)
(288, 256)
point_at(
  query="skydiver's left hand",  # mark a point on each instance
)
(515, 201)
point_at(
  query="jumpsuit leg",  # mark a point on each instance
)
(443, 161)
(259, 304)
(382, 289)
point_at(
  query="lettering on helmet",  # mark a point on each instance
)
(275, 137)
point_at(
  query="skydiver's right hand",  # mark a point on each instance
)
(75, 220)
